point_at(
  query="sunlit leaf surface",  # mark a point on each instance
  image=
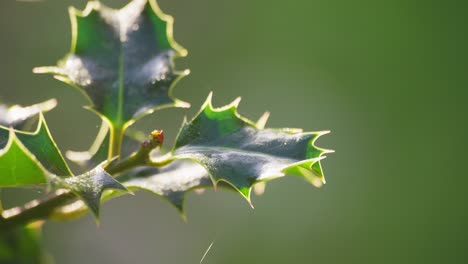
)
(90, 187)
(28, 158)
(122, 60)
(16, 116)
(237, 151)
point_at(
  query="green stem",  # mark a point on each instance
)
(158, 163)
(139, 158)
(34, 210)
(116, 136)
(42, 208)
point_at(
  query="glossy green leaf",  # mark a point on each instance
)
(122, 60)
(237, 151)
(18, 166)
(29, 158)
(171, 182)
(174, 181)
(43, 147)
(41, 144)
(16, 116)
(253, 155)
(33, 158)
(89, 187)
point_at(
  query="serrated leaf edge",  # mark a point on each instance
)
(40, 107)
(13, 139)
(41, 124)
(96, 6)
(260, 124)
(95, 209)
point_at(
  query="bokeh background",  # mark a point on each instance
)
(388, 78)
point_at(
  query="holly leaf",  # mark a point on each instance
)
(171, 182)
(89, 187)
(223, 149)
(29, 158)
(122, 60)
(33, 158)
(238, 152)
(16, 116)
(18, 166)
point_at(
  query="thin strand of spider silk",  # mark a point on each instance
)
(206, 252)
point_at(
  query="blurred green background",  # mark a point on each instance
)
(388, 78)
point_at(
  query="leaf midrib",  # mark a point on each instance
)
(243, 151)
(119, 121)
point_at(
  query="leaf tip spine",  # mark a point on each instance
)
(262, 121)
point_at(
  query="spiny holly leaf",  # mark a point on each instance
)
(171, 182)
(18, 166)
(89, 186)
(235, 150)
(41, 144)
(122, 60)
(175, 180)
(33, 158)
(28, 158)
(16, 116)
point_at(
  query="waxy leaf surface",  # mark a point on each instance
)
(18, 166)
(28, 158)
(90, 187)
(223, 148)
(16, 116)
(122, 60)
(237, 151)
(171, 182)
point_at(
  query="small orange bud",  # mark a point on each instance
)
(158, 136)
